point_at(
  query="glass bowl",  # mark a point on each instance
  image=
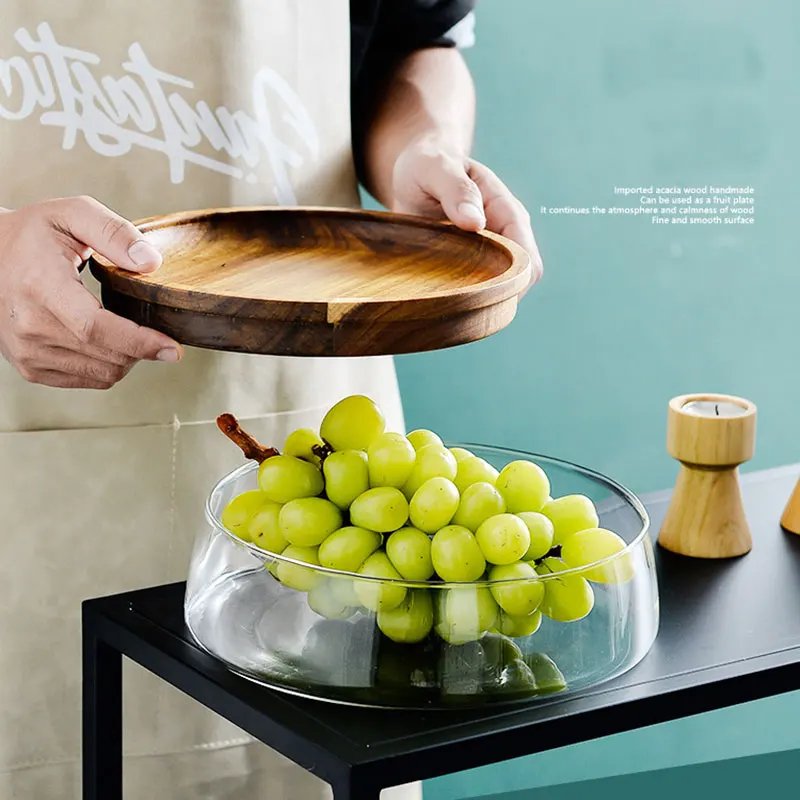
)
(239, 612)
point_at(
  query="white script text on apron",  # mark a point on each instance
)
(117, 114)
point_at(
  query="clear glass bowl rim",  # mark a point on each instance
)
(265, 555)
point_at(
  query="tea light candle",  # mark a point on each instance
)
(711, 408)
(710, 435)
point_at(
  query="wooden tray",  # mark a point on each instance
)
(319, 282)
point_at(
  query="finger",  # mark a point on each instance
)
(39, 326)
(100, 353)
(506, 215)
(113, 237)
(104, 366)
(69, 362)
(79, 311)
(68, 341)
(64, 380)
(447, 181)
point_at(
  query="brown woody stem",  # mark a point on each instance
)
(321, 452)
(553, 552)
(229, 425)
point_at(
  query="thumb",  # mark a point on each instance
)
(459, 196)
(108, 234)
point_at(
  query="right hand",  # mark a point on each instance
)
(53, 330)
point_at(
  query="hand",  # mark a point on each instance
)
(432, 180)
(52, 329)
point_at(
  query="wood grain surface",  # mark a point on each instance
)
(319, 282)
(790, 520)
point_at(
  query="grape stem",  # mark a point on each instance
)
(321, 452)
(553, 552)
(229, 425)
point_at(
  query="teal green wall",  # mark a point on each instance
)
(574, 98)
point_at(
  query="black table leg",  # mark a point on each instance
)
(355, 788)
(102, 718)
(351, 793)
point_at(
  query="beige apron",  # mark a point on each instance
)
(153, 107)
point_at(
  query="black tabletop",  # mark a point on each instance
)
(730, 633)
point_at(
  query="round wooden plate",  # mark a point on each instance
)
(319, 282)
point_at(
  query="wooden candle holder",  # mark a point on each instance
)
(790, 521)
(711, 435)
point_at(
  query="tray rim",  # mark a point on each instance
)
(513, 281)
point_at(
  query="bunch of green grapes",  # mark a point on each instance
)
(398, 510)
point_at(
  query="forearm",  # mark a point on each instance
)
(430, 95)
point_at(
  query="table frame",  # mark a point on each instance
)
(314, 735)
(106, 641)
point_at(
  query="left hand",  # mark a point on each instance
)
(432, 180)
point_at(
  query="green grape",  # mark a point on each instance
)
(348, 548)
(391, 458)
(478, 502)
(346, 476)
(524, 486)
(517, 680)
(409, 550)
(456, 555)
(549, 678)
(518, 599)
(307, 522)
(570, 514)
(236, 516)
(474, 470)
(285, 478)
(503, 539)
(300, 444)
(271, 565)
(487, 666)
(433, 461)
(265, 529)
(323, 599)
(518, 627)
(459, 453)
(421, 438)
(379, 595)
(403, 668)
(352, 424)
(382, 509)
(592, 545)
(433, 505)
(541, 530)
(411, 621)
(498, 649)
(568, 598)
(344, 589)
(465, 613)
(303, 579)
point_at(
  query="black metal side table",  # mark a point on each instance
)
(729, 634)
